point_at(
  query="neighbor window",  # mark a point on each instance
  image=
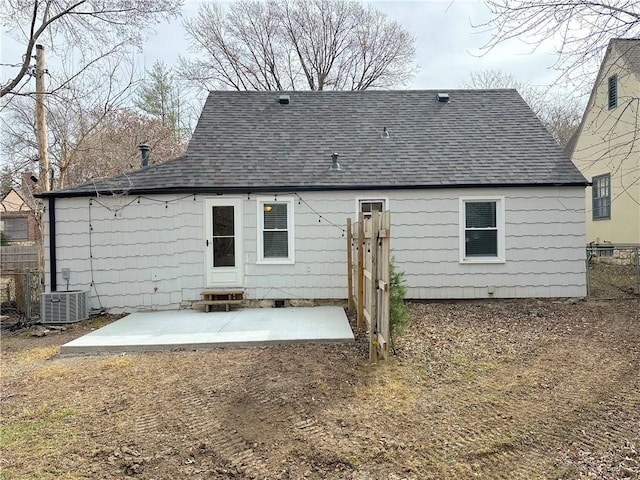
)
(275, 230)
(368, 206)
(481, 229)
(601, 197)
(613, 91)
(16, 228)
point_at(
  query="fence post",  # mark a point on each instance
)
(360, 275)
(637, 270)
(588, 273)
(349, 267)
(28, 295)
(373, 310)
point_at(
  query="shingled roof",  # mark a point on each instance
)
(250, 142)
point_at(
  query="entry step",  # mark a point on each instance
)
(227, 298)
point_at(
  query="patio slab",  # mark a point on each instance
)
(194, 330)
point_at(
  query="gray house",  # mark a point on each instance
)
(484, 203)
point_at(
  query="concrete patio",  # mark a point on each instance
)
(194, 330)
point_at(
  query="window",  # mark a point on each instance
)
(223, 236)
(367, 206)
(601, 197)
(482, 230)
(275, 230)
(612, 93)
(16, 228)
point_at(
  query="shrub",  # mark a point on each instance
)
(398, 310)
(4, 240)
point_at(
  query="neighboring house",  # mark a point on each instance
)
(606, 148)
(17, 215)
(483, 202)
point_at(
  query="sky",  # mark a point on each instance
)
(448, 47)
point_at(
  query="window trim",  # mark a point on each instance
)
(594, 179)
(260, 259)
(500, 225)
(360, 200)
(612, 93)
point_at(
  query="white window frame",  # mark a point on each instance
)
(261, 201)
(500, 224)
(360, 200)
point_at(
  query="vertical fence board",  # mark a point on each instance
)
(360, 276)
(349, 266)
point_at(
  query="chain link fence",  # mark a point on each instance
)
(613, 272)
(20, 296)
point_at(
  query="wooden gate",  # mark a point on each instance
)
(368, 254)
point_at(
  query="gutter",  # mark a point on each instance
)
(299, 188)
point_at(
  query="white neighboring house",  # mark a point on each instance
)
(483, 202)
(606, 149)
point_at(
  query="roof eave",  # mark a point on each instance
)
(303, 188)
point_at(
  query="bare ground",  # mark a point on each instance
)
(501, 389)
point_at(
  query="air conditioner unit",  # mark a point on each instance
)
(64, 307)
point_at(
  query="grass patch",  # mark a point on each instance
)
(116, 363)
(389, 390)
(37, 354)
(100, 321)
(42, 433)
(53, 371)
(34, 426)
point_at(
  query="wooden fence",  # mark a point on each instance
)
(18, 257)
(368, 257)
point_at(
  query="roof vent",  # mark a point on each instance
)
(443, 97)
(335, 166)
(284, 99)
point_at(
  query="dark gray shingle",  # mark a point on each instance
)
(247, 141)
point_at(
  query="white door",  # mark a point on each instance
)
(223, 242)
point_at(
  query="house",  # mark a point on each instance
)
(606, 148)
(17, 214)
(484, 203)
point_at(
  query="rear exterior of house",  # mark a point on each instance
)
(260, 202)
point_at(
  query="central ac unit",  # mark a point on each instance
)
(65, 307)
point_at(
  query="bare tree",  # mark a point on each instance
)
(559, 114)
(580, 30)
(584, 31)
(94, 27)
(112, 148)
(492, 78)
(297, 44)
(91, 131)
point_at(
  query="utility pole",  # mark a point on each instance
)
(44, 179)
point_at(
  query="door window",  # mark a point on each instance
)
(224, 254)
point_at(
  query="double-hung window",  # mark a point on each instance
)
(482, 230)
(601, 197)
(275, 230)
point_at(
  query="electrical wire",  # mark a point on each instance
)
(93, 283)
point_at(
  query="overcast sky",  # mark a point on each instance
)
(448, 48)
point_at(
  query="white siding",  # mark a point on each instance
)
(150, 255)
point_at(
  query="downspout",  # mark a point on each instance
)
(52, 243)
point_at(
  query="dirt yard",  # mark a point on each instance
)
(502, 389)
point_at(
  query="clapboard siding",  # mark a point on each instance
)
(150, 255)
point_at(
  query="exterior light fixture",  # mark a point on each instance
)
(268, 208)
